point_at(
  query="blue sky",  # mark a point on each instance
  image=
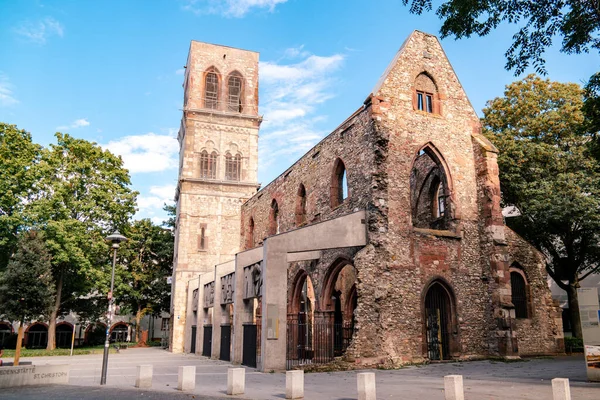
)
(111, 71)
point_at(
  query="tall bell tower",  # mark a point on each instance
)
(218, 162)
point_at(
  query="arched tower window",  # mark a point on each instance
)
(425, 96)
(208, 165)
(430, 191)
(211, 89)
(233, 167)
(301, 205)
(339, 183)
(519, 292)
(235, 89)
(274, 218)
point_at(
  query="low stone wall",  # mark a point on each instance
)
(33, 375)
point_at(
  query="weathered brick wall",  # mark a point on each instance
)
(353, 143)
(541, 333)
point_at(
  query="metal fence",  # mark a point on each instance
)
(316, 342)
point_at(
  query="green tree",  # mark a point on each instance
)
(19, 157)
(549, 175)
(147, 261)
(576, 22)
(84, 193)
(27, 286)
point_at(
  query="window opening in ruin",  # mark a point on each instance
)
(301, 206)
(274, 218)
(208, 165)
(437, 322)
(235, 94)
(233, 167)
(425, 101)
(339, 184)
(425, 95)
(211, 90)
(430, 194)
(519, 294)
(250, 237)
(202, 245)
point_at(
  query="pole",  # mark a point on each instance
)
(73, 340)
(110, 303)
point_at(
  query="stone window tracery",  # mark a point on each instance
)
(235, 87)
(233, 167)
(430, 191)
(425, 96)
(208, 165)
(211, 89)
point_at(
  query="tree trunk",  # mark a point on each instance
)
(54, 314)
(19, 343)
(574, 310)
(138, 322)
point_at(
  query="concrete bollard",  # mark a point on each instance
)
(366, 386)
(144, 377)
(187, 378)
(236, 380)
(561, 389)
(294, 384)
(453, 387)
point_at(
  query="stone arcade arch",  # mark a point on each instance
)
(440, 334)
(36, 336)
(301, 317)
(64, 333)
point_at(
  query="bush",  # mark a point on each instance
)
(573, 344)
(153, 343)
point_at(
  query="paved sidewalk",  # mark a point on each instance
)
(482, 379)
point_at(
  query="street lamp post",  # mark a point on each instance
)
(115, 238)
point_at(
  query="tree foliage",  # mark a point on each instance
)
(548, 173)
(577, 22)
(27, 286)
(83, 194)
(146, 262)
(19, 158)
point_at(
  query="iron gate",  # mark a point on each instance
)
(207, 341)
(225, 353)
(437, 309)
(317, 342)
(249, 346)
(193, 345)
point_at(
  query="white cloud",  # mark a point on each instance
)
(78, 123)
(228, 8)
(151, 204)
(6, 95)
(292, 93)
(180, 71)
(146, 153)
(40, 31)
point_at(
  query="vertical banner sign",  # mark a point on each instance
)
(589, 310)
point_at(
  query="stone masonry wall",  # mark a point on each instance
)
(541, 333)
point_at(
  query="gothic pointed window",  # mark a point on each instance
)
(518, 288)
(233, 167)
(211, 90)
(301, 206)
(208, 165)
(274, 218)
(235, 89)
(430, 191)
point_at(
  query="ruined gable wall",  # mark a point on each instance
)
(401, 262)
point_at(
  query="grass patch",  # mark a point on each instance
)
(57, 352)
